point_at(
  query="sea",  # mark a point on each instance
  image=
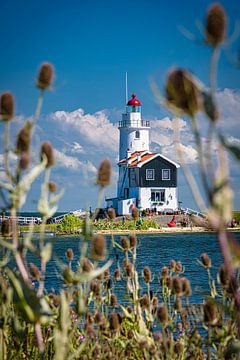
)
(153, 250)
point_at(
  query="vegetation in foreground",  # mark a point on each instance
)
(86, 319)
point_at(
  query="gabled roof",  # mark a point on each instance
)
(139, 158)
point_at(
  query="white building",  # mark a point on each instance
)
(146, 180)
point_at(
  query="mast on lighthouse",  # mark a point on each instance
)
(134, 132)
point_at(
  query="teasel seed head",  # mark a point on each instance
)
(98, 247)
(99, 318)
(104, 173)
(114, 324)
(145, 302)
(178, 348)
(117, 274)
(87, 266)
(111, 213)
(135, 213)
(69, 254)
(133, 241)
(129, 269)
(24, 161)
(6, 106)
(155, 301)
(113, 300)
(178, 304)
(177, 286)
(45, 76)
(172, 265)
(125, 243)
(224, 276)
(168, 282)
(186, 286)
(24, 138)
(52, 187)
(95, 287)
(90, 319)
(183, 92)
(162, 315)
(147, 274)
(178, 267)
(215, 25)
(47, 150)
(34, 271)
(164, 272)
(206, 261)
(210, 310)
(5, 227)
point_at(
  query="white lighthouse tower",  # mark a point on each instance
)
(146, 180)
(134, 132)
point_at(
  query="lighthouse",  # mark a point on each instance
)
(145, 180)
(134, 132)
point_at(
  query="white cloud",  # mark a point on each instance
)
(229, 104)
(73, 163)
(96, 128)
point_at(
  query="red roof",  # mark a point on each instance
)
(134, 101)
(138, 158)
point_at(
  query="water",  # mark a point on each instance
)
(155, 251)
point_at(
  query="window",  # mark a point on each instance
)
(166, 174)
(150, 174)
(137, 134)
(158, 195)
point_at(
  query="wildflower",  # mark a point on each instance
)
(113, 300)
(24, 161)
(34, 271)
(183, 92)
(210, 312)
(133, 241)
(129, 269)
(104, 173)
(24, 138)
(164, 272)
(125, 243)
(87, 266)
(168, 282)
(206, 261)
(95, 287)
(114, 324)
(215, 25)
(178, 304)
(52, 187)
(162, 315)
(177, 286)
(224, 275)
(117, 274)
(172, 265)
(147, 274)
(111, 213)
(135, 213)
(178, 267)
(186, 287)
(145, 302)
(47, 150)
(98, 247)
(6, 106)
(45, 76)
(5, 227)
(69, 254)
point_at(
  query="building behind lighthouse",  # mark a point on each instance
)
(146, 180)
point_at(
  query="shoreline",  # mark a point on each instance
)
(164, 230)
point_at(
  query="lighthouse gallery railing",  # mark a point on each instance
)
(134, 123)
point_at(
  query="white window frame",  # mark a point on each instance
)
(160, 192)
(169, 174)
(153, 172)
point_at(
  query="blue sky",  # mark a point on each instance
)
(92, 44)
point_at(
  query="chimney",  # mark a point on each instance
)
(139, 157)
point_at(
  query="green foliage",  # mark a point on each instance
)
(105, 224)
(70, 224)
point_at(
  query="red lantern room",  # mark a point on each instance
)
(134, 105)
